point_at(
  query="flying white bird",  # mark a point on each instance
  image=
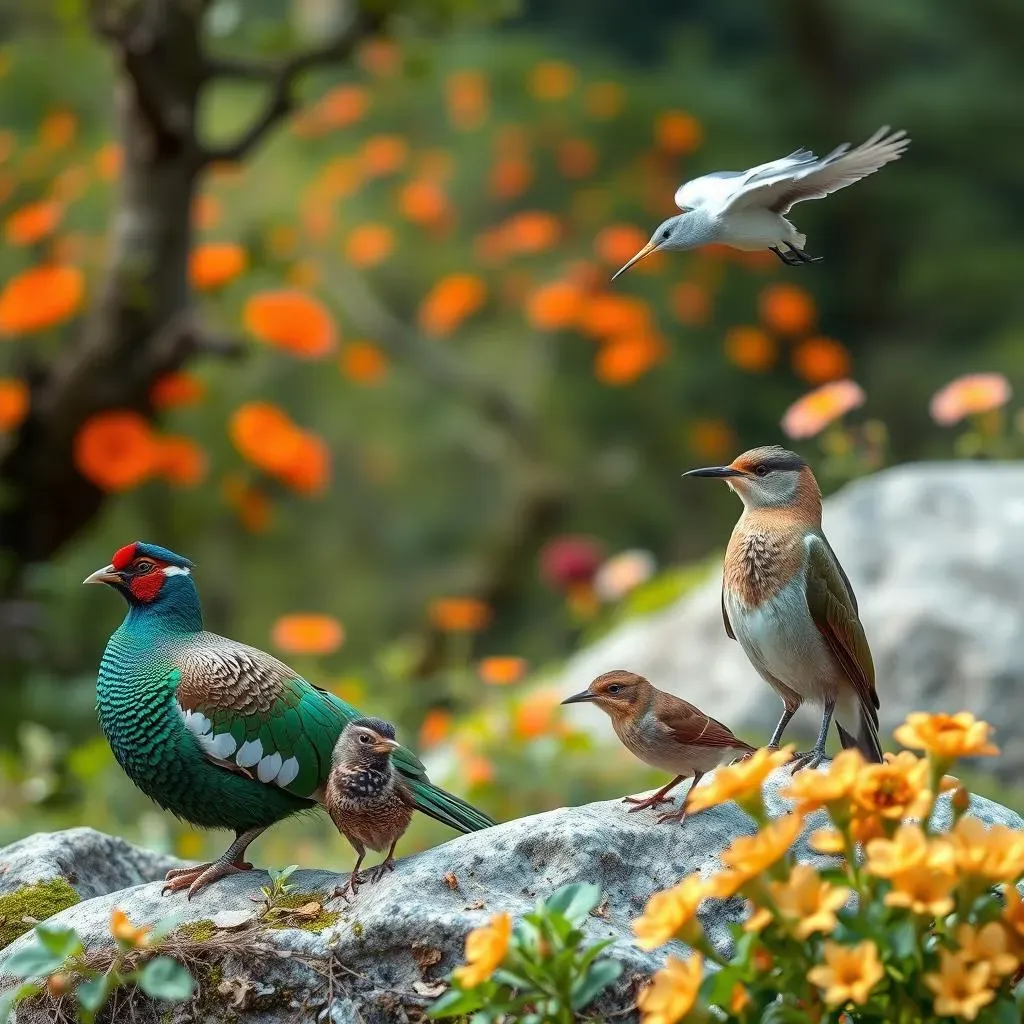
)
(747, 209)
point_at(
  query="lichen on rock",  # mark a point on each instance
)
(20, 909)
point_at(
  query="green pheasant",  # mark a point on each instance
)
(219, 733)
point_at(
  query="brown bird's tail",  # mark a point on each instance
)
(866, 740)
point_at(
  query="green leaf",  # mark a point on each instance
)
(717, 988)
(7, 1001)
(598, 977)
(574, 901)
(91, 995)
(164, 978)
(33, 961)
(1005, 1012)
(62, 942)
(903, 940)
(164, 927)
(456, 1003)
(782, 1013)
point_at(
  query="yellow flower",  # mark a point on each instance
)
(758, 920)
(750, 855)
(673, 991)
(808, 902)
(812, 790)
(989, 944)
(826, 840)
(961, 988)
(485, 949)
(739, 999)
(994, 853)
(1013, 912)
(736, 781)
(897, 789)
(927, 887)
(866, 827)
(848, 974)
(947, 737)
(671, 913)
(907, 849)
(124, 931)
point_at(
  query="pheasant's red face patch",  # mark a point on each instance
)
(123, 556)
(147, 586)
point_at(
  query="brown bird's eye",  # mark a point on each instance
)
(761, 470)
(144, 567)
(364, 738)
(614, 689)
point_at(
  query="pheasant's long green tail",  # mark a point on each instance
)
(449, 809)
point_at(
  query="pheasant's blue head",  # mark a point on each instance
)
(147, 574)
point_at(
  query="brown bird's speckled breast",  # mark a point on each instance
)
(369, 808)
(764, 554)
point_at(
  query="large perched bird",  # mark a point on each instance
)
(664, 731)
(787, 601)
(367, 799)
(221, 734)
(747, 209)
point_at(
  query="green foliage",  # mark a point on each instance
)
(55, 964)
(20, 908)
(541, 972)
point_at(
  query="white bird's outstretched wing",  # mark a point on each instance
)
(718, 188)
(780, 186)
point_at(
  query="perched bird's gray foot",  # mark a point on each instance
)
(809, 759)
(200, 876)
(642, 803)
(382, 869)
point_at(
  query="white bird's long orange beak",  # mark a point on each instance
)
(650, 247)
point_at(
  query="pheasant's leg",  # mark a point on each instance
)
(352, 885)
(680, 815)
(231, 862)
(388, 864)
(813, 757)
(802, 256)
(787, 716)
(782, 256)
(652, 801)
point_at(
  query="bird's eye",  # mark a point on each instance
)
(364, 738)
(614, 689)
(761, 470)
(144, 567)
(666, 233)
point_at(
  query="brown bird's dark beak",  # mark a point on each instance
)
(579, 698)
(108, 574)
(719, 471)
(385, 746)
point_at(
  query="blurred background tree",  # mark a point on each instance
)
(321, 299)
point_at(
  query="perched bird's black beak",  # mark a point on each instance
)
(108, 574)
(579, 698)
(720, 471)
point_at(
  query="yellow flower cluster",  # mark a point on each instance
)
(924, 878)
(485, 949)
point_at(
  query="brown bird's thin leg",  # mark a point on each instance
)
(202, 875)
(388, 864)
(652, 801)
(813, 757)
(354, 879)
(680, 815)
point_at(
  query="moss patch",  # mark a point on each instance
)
(294, 900)
(197, 931)
(39, 901)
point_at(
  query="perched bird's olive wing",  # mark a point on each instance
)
(725, 616)
(830, 602)
(778, 187)
(688, 724)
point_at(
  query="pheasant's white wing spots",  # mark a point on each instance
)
(269, 766)
(249, 753)
(222, 746)
(289, 771)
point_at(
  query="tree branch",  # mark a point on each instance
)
(281, 78)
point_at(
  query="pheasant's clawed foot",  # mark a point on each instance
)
(809, 759)
(382, 869)
(642, 803)
(679, 815)
(200, 876)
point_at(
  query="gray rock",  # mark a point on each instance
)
(934, 554)
(92, 863)
(379, 959)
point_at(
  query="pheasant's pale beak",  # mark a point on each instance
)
(385, 746)
(645, 251)
(108, 574)
(579, 698)
(719, 471)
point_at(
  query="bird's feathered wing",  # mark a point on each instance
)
(688, 724)
(251, 714)
(716, 188)
(834, 611)
(781, 185)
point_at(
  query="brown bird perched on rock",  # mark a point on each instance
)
(366, 798)
(787, 601)
(664, 731)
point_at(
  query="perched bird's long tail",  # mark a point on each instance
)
(447, 808)
(866, 739)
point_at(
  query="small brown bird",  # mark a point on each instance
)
(664, 731)
(787, 601)
(366, 798)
